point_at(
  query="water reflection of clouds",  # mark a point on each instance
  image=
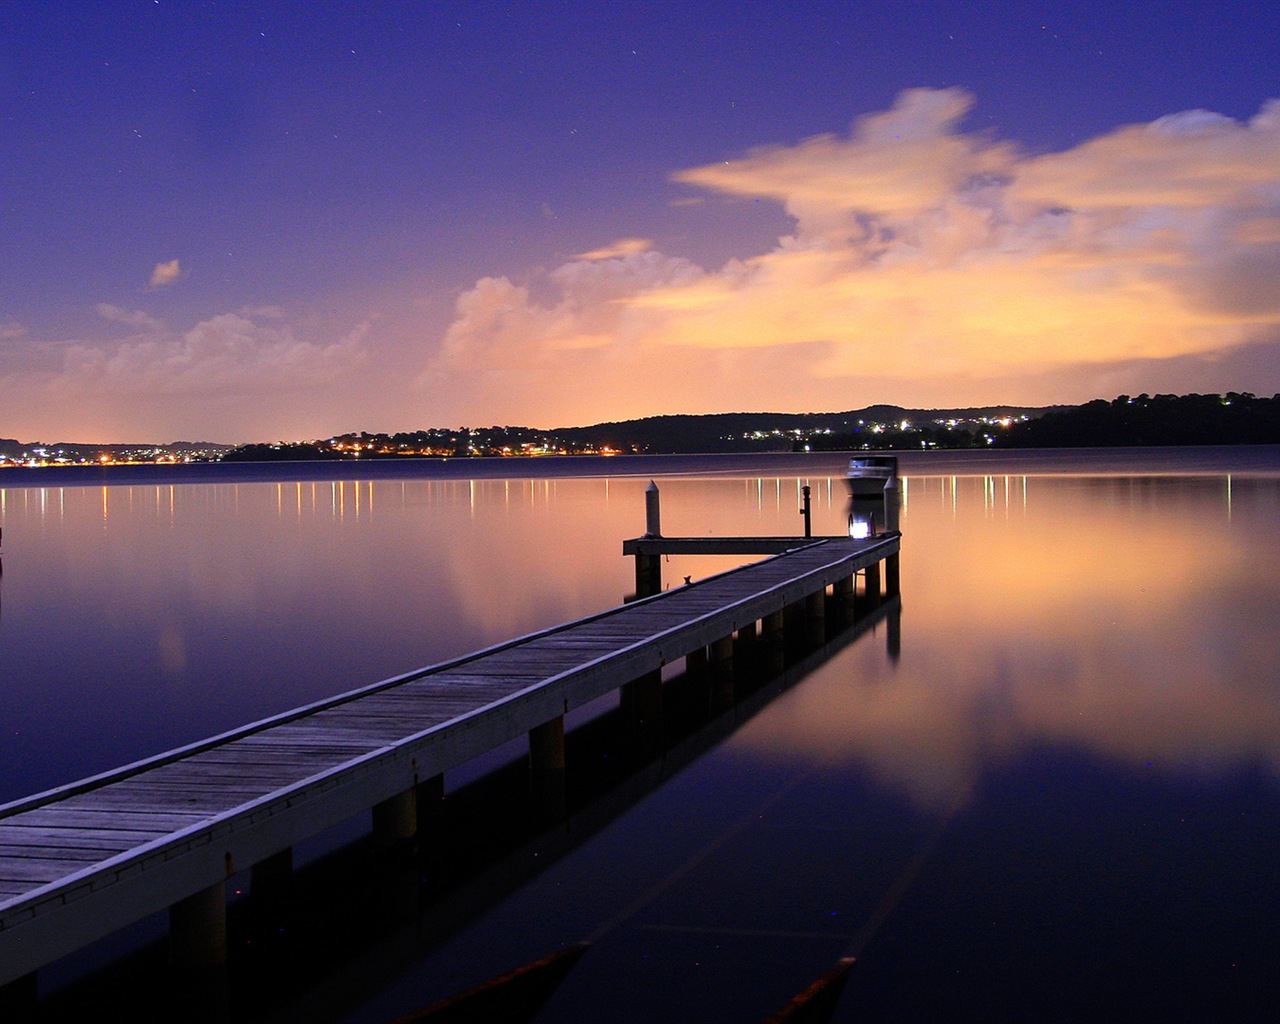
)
(1124, 619)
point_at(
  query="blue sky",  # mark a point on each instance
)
(249, 221)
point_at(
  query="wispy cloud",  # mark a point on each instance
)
(926, 264)
(134, 318)
(622, 247)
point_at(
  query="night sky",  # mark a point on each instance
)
(279, 221)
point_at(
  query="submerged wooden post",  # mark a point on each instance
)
(641, 700)
(429, 794)
(892, 574)
(198, 928)
(871, 577)
(773, 640)
(269, 879)
(546, 769)
(648, 575)
(844, 591)
(722, 672)
(395, 819)
(815, 616)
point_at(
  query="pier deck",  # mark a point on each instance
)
(84, 860)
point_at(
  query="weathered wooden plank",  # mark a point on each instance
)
(68, 815)
(308, 737)
(28, 869)
(12, 833)
(44, 851)
(158, 800)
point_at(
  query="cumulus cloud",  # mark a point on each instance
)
(227, 352)
(238, 353)
(244, 375)
(165, 273)
(926, 264)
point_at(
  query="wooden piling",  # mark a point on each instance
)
(815, 615)
(429, 794)
(871, 578)
(547, 770)
(198, 928)
(395, 820)
(648, 575)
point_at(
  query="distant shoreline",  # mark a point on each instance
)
(1188, 460)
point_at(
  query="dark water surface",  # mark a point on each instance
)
(1059, 802)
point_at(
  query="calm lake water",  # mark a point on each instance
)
(1058, 801)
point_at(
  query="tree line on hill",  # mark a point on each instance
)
(1233, 418)
(1144, 421)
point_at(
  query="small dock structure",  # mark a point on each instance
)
(86, 859)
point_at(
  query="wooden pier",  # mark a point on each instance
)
(84, 860)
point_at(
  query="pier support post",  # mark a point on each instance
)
(271, 875)
(198, 928)
(641, 699)
(845, 591)
(892, 574)
(722, 655)
(695, 662)
(648, 575)
(395, 819)
(722, 672)
(429, 797)
(774, 641)
(546, 769)
(270, 888)
(871, 587)
(815, 617)
(793, 624)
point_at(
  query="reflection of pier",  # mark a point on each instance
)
(81, 861)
